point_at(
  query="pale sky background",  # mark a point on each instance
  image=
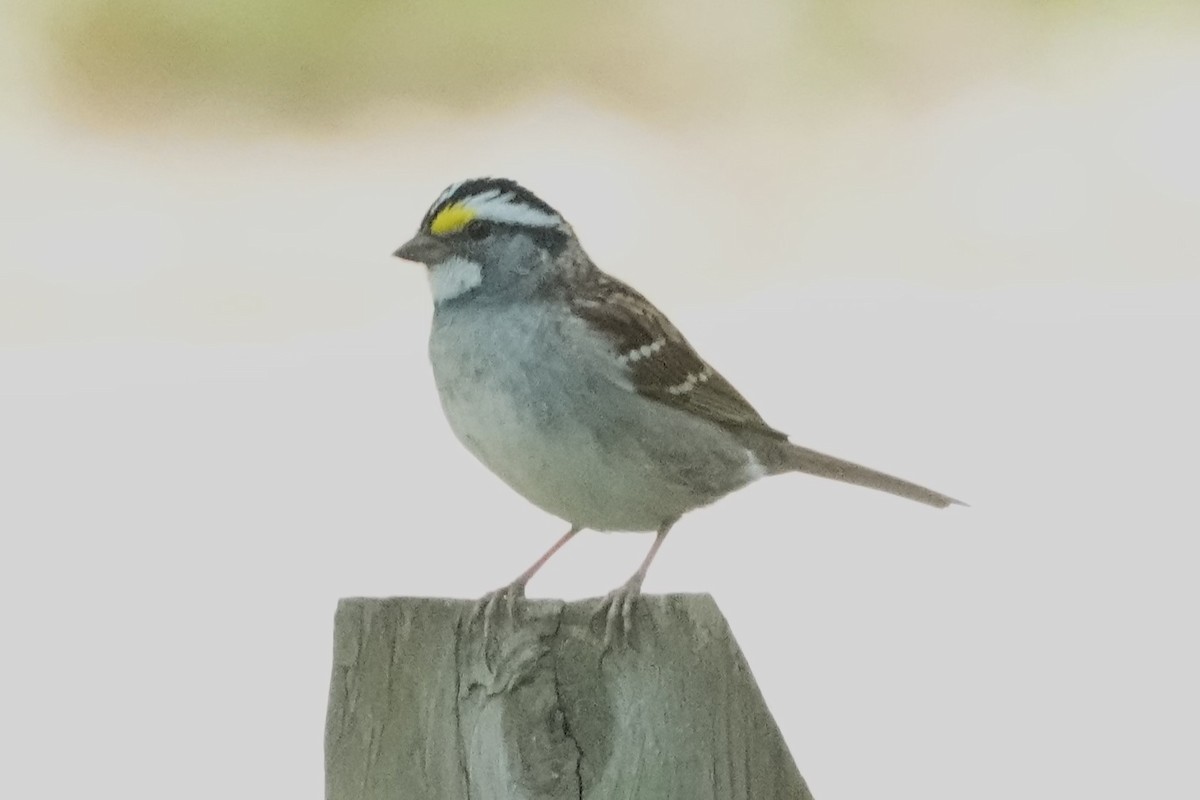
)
(973, 262)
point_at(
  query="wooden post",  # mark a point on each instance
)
(418, 710)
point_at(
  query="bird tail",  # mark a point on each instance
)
(802, 459)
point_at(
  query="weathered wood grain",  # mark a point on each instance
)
(418, 710)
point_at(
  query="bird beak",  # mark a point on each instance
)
(424, 249)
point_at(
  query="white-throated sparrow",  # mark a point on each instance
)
(579, 393)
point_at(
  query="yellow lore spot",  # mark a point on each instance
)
(451, 219)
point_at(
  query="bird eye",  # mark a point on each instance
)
(478, 229)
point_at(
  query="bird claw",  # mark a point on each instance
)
(488, 606)
(617, 610)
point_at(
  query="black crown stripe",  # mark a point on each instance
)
(477, 186)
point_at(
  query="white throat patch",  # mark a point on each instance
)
(453, 277)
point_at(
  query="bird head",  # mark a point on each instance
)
(487, 238)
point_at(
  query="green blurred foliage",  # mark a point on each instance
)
(315, 57)
(315, 61)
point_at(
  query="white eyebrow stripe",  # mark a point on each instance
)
(451, 189)
(497, 207)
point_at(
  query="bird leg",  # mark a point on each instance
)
(515, 591)
(617, 605)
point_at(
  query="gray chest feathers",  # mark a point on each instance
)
(548, 410)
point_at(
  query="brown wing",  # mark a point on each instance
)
(661, 364)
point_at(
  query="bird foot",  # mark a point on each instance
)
(488, 606)
(617, 610)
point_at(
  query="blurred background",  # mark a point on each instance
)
(957, 241)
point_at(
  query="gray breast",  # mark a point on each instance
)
(548, 411)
